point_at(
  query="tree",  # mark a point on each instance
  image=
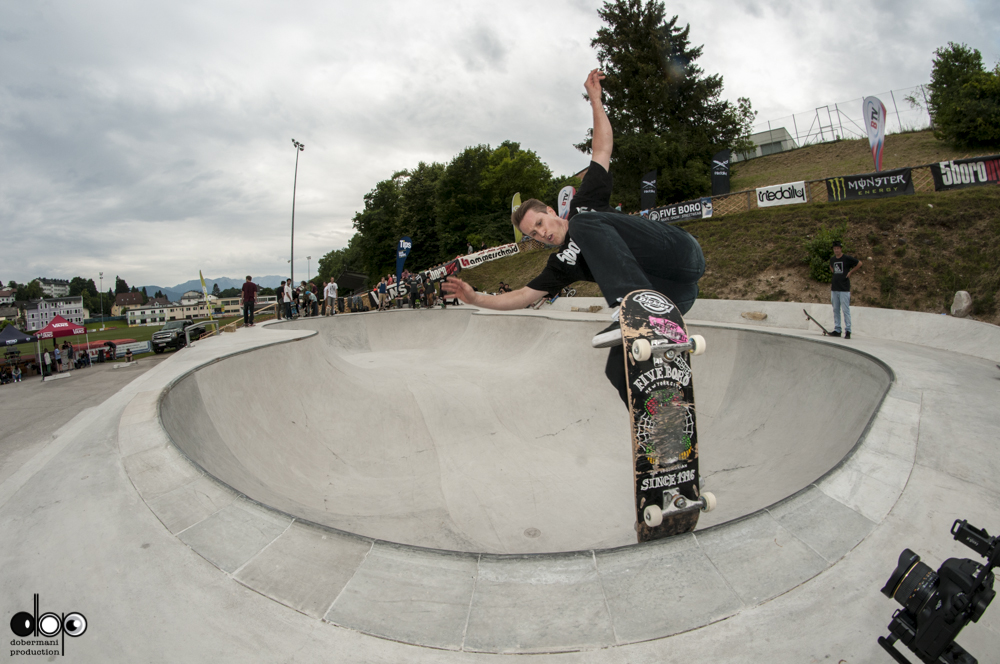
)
(376, 226)
(145, 296)
(215, 289)
(232, 292)
(964, 98)
(334, 263)
(29, 291)
(159, 294)
(120, 285)
(417, 218)
(666, 114)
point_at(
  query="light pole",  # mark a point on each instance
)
(299, 147)
(308, 272)
(102, 300)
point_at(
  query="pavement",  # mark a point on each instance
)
(454, 486)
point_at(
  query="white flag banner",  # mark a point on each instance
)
(874, 117)
(782, 194)
(566, 195)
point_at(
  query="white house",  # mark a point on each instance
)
(40, 313)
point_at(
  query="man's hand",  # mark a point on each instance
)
(455, 287)
(593, 85)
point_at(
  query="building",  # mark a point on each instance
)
(230, 306)
(40, 313)
(8, 313)
(125, 301)
(158, 313)
(54, 287)
(767, 142)
(6, 298)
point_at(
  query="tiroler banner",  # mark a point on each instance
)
(870, 185)
(962, 173)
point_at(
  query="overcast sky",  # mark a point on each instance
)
(153, 139)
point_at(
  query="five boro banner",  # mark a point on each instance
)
(870, 185)
(961, 173)
(699, 209)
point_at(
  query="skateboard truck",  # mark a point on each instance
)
(674, 501)
(643, 349)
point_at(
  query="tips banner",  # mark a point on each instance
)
(402, 251)
(874, 117)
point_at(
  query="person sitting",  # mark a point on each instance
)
(16, 374)
(128, 355)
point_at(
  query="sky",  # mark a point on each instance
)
(152, 140)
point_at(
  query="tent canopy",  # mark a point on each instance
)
(11, 336)
(60, 327)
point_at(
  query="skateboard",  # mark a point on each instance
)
(808, 317)
(439, 274)
(668, 497)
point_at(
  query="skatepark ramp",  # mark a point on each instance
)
(485, 433)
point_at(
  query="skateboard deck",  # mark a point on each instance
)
(668, 498)
(808, 317)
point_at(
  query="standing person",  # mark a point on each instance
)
(279, 301)
(58, 357)
(330, 296)
(47, 363)
(842, 266)
(621, 253)
(248, 299)
(286, 296)
(383, 295)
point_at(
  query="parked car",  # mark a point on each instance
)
(171, 335)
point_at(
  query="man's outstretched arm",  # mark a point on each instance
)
(519, 299)
(603, 139)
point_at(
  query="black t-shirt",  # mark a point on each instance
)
(840, 267)
(567, 265)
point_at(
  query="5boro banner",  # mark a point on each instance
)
(870, 185)
(962, 173)
(698, 209)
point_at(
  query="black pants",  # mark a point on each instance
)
(247, 313)
(627, 253)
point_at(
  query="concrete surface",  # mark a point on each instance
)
(108, 518)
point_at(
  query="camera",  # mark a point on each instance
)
(937, 605)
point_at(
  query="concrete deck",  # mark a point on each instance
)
(111, 519)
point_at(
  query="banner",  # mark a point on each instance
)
(962, 173)
(720, 172)
(782, 194)
(871, 185)
(647, 198)
(204, 290)
(566, 195)
(514, 204)
(699, 209)
(874, 115)
(402, 251)
(480, 257)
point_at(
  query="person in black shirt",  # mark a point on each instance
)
(842, 266)
(621, 253)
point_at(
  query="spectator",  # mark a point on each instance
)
(312, 303)
(248, 299)
(382, 295)
(303, 299)
(330, 297)
(128, 355)
(469, 249)
(47, 363)
(58, 357)
(286, 294)
(842, 266)
(16, 374)
(280, 300)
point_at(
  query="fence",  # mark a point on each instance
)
(842, 120)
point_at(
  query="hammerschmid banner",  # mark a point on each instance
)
(870, 185)
(962, 173)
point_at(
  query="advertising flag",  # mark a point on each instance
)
(962, 173)
(874, 117)
(402, 251)
(566, 195)
(647, 198)
(514, 204)
(720, 172)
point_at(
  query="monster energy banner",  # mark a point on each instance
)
(870, 185)
(962, 173)
(699, 209)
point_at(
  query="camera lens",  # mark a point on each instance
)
(912, 583)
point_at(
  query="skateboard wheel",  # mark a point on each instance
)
(642, 350)
(653, 516)
(698, 342)
(708, 501)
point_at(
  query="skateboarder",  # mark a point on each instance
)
(621, 253)
(842, 266)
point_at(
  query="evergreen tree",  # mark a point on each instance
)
(216, 291)
(665, 112)
(964, 98)
(120, 285)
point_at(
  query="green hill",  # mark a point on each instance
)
(917, 250)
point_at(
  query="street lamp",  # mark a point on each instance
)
(308, 272)
(102, 300)
(299, 147)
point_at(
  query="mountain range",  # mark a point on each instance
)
(174, 293)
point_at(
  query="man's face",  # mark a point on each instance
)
(838, 252)
(547, 227)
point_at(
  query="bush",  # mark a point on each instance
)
(819, 250)
(965, 98)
